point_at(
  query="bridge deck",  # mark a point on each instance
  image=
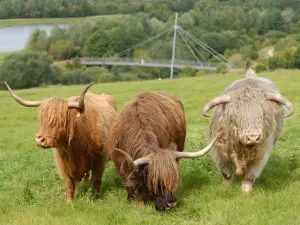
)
(145, 63)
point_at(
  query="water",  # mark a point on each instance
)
(15, 38)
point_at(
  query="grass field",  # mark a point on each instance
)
(21, 22)
(31, 192)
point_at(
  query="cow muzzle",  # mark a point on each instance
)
(252, 138)
(41, 142)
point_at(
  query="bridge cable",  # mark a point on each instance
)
(190, 47)
(188, 43)
(143, 43)
(157, 44)
(206, 47)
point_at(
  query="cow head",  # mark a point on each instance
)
(52, 117)
(156, 176)
(247, 115)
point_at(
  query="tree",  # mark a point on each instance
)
(38, 41)
(57, 34)
(62, 49)
(96, 44)
(28, 69)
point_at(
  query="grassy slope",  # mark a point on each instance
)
(31, 192)
(21, 22)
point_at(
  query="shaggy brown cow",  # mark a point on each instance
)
(251, 115)
(147, 139)
(78, 129)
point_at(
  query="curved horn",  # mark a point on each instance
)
(216, 101)
(204, 151)
(280, 99)
(21, 101)
(134, 164)
(80, 104)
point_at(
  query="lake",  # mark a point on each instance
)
(15, 38)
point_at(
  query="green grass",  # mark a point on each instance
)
(31, 192)
(22, 22)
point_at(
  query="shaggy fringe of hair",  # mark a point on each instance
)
(53, 113)
(163, 173)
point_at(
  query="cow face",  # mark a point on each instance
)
(52, 123)
(141, 185)
(52, 118)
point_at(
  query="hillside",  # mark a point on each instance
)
(32, 193)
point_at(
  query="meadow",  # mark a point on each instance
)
(31, 191)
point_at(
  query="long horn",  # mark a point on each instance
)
(80, 104)
(216, 101)
(134, 164)
(280, 99)
(204, 151)
(21, 101)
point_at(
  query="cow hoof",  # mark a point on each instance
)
(247, 186)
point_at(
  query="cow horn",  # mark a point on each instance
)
(21, 101)
(200, 153)
(216, 101)
(80, 104)
(134, 164)
(280, 99)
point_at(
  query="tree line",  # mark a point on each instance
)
(80, 8)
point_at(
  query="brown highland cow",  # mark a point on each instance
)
(78, 129)
(250, 115)
(146, 142)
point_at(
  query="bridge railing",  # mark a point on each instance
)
(145, 61)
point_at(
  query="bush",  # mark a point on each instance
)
(221, 68)
(62, 49)
(76, 76)
(260, 67)
(249, 53)
(274, 63)
(28, 69)
(188, 72)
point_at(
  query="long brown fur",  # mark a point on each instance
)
(80, 138)
(150, 123)
(163, 173)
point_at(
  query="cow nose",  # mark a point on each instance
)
(40, 140)
(253, 138)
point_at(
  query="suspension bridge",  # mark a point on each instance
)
(195, 46)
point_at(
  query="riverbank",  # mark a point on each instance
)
(21, 22)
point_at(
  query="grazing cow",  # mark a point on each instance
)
(250, 116)
(146, 141)
(78, 129)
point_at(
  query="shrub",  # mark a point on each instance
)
(221, 68)
(274, 63)
(28, 69)
(260, 67)
(62, 49)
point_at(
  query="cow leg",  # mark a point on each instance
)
(253, 171)
(97, 173)
(70, 188)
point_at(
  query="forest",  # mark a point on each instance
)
(241, 30)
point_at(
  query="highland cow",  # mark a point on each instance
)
(77, 129)
(250, 114)
(146, 141)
